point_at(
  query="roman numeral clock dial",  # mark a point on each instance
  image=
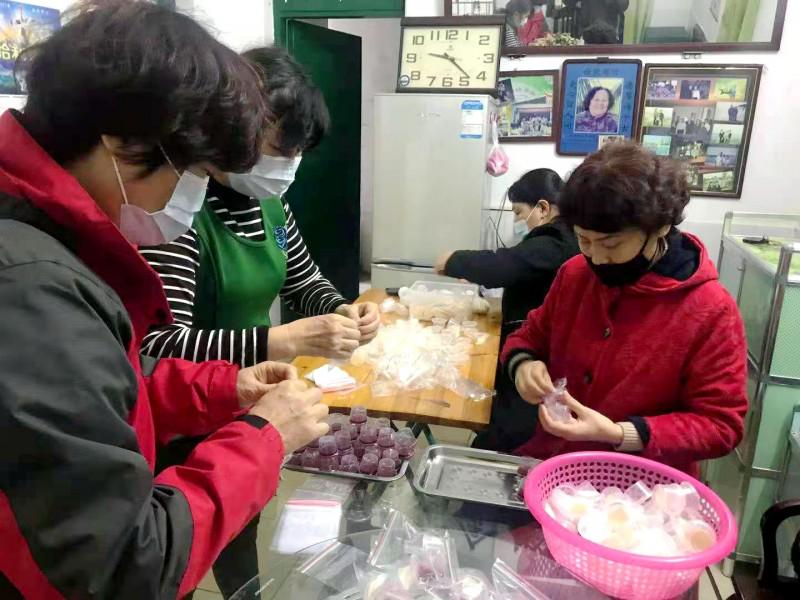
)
(448, 55)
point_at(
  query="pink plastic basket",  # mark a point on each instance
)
(616, 573)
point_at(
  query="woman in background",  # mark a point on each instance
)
(517, 15)
(526, 271)
(650, 342)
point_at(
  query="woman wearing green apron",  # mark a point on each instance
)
(244, 251)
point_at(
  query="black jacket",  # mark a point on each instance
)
(526, 270)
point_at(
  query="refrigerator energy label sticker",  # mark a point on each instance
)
(472, 119)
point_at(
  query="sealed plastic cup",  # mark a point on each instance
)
(310, 459)
(358, 414)
(394, 455)
(328, 463)
(348, 464)
(327, 445)
(369, 464)
(369, 434)
(386, 468)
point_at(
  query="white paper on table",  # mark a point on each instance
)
(304, 523)
(331, 378)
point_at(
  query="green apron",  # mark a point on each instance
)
(238, 279)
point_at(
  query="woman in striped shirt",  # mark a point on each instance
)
(244, 250)
(333, 328)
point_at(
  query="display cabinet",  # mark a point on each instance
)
(759, 264)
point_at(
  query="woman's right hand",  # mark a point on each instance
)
(533, 381)
(295, 411)
(329, 336)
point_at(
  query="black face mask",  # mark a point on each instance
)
(616, 275)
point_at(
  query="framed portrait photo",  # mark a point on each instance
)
(701, 115)
(599, 102)
(527, 105)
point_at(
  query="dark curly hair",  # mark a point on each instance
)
(623, 186)
(536, 185)
(591, 94)
(296, 104)
(149, 76)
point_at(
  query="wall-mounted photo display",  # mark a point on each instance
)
(528, 103)
(598, 104)
(21, 25)
(702, 115)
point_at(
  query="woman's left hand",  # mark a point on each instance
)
(254, 382)
(586, 425)
(441, 263)
(367, 315)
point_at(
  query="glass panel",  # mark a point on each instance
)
(776, 417)
(755, 303)
(730, 269)
(786, 356)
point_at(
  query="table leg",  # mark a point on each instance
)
(423, 428)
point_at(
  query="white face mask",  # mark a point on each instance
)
(271, 177)
(521, 227)
(161, 227)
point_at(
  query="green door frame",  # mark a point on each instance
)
(285, 10)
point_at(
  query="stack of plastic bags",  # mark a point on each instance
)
(406, 356)
(662, 521)
(407, 563)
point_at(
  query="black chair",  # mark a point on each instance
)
(748, 582)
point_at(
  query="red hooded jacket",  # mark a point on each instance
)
(80, 512)
(670, 351)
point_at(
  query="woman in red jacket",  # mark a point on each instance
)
(129, 105)
(651, 344)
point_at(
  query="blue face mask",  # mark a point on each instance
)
(521, 227)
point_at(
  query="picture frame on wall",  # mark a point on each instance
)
(527, 105)
(701, 115)
(22, 24)
(599, 104)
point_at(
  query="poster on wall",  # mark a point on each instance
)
(703, 116)
(21, 25)
(527, 103)
(598, 104)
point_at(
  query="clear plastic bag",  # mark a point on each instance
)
(510, 586)
(338, 566)
(390, 547)
(433, 558)
(557, 410)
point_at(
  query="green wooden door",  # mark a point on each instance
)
(286, 10)
(325, 198)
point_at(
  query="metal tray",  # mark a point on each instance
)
(358, 476)
(471, 475)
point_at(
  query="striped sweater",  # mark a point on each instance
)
(305, 290)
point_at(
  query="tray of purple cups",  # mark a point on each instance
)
(358, 447)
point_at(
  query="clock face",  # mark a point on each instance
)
(449, 59)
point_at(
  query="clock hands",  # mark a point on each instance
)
(458, 66)
(446, 56)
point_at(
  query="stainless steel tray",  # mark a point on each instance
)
(358, 476)
(471, 475)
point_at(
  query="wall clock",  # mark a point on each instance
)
(450, 55)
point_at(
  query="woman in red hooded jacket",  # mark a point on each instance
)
(651, 344)
(129, 106)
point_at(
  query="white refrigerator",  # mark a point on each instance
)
(431, 188)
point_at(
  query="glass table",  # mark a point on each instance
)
(332, 569)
